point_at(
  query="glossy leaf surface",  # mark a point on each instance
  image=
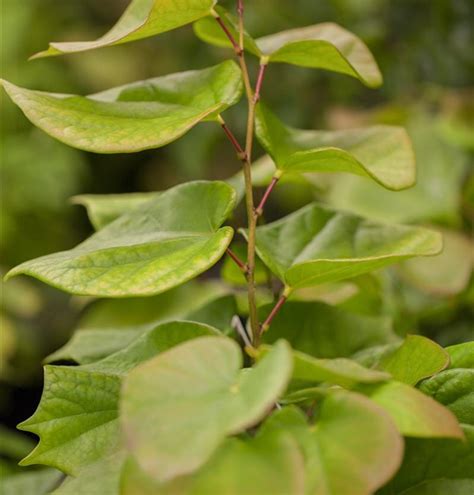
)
(138, 116)
(323, 46)
(142, 19)
(179, 407)
(339, 457)
(382, 153)
(318, 244)
(157, 246)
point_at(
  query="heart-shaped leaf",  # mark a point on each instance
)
(77, 419)
(431, 460)
(353, 447)
(142, 115)
(325, 331)
(382, 153)
(416, 359)
(318, 244)
(155, 247)
(324, 46)
(179, 407)
(142, 19)
(415, 414)
(270, 463)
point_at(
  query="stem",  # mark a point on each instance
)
(273, 183)
(273, 313)
(237, 260)
(261, 76)
(235, 143)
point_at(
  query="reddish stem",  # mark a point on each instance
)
(273, 313)
(258, 87)
(237, 260)
(235, 143)
(229, 35)
(267, 193)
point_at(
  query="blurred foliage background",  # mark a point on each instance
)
(425, 51)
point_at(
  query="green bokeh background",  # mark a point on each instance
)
(424, 49)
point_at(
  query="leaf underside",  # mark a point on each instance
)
(142, 19)
(138, 116)
(157, 246)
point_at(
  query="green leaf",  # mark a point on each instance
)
(446, 274)
(77, 418)
(138, 116)
(165, 242)
(416, 359)
(462, 355)
(109, 325)
(270, 463)
(415, 414)
(382, 153)
(339, 371)
(38, 482)
(179, 407)
(142, 19)
(434, 198)
(325, 331)
(353, 448)
(100, 478)
(103, 209)
(324, 46)
(317, 244)
(442, 487)
(434, 459)
(455, 389)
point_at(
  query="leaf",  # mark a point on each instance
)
(455, 389)
(138, 116)
(431, 460)
(99, 478)
(325, 331)
(382, 153)
(103, 209)
(462, 355)
(416, 359)
(109, 325)
(164, 243)
(270, 463)
(339, 371)
(446, 274)
(415, 414)
(442, 487)
(317, 244)
(434, 198)
(77, 418)
(38, 482)
(324, 46)
(353, 447)
(179, 407)
(142, 19)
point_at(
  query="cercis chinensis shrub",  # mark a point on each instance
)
(200, 395)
